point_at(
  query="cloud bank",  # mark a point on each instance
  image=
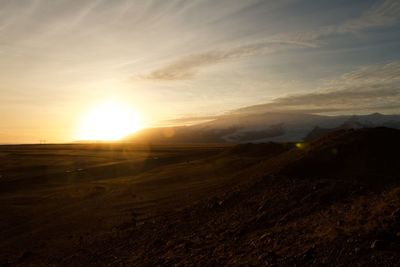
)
(367, 88)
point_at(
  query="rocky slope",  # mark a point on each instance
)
(332, 202)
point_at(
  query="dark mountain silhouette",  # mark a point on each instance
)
(358, 122)
(317, 132)
(367, 154)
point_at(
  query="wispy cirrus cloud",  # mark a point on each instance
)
(187, 67)
(384, 14)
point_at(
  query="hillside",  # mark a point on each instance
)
(55, 200)
(334, 201)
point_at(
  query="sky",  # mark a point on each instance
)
(188, 60)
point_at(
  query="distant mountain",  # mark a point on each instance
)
(358, 122)
(265, 127)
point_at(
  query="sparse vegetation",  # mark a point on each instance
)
(248, 205)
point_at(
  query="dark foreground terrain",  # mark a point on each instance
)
(332, 201)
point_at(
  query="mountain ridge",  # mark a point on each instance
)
(263, 127)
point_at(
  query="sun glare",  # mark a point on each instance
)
(109, 121)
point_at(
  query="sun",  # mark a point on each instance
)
(109, 121)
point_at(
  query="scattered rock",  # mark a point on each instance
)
(26, 255)
(396, 215)
(264, 236)
(378, 244)
(269, 259)
(309, 253)
(263, 205)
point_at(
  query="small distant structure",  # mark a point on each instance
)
(42, 142)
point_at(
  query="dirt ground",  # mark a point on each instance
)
(334, 201)
(54, 198)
